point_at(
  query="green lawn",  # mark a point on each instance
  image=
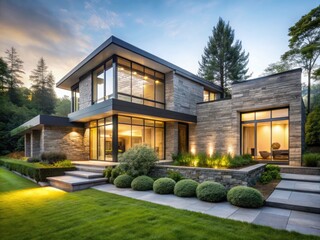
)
(30, 212)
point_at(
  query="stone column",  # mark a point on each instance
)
(27, 145)
(171, 139)
(35, 143)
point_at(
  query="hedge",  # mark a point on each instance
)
(36, 171)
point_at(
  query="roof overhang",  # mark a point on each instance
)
(39, 121)
(115, 46)
(115, 106)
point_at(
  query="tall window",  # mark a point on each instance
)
(265, 134)
(103, 82)
(139, 84)
(75, 99)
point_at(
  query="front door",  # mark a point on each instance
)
(183, 138)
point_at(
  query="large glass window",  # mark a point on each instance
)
(102, 82)
(209, 96)
(139, 84)
(265, 134)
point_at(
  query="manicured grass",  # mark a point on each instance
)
(47, 213)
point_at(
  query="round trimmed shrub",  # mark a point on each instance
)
(164, 185)
(186, 188)
(211, 192)
(123, 181)
(142, 183)
(246, 197)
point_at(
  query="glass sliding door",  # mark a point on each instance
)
(101, 142)
(265, 134)
(93, 143)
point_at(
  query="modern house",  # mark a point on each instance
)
(123, 96)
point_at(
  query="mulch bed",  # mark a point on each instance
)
(267, 189)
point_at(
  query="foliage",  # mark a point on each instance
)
(4, 75)
(63, 106)
(211, 192)
(37, 171)
(64, 163)
(44, 97)
(164, 186)
(138, 160)
(107, 173)
(223, 60)
(175, 175)
(142, 183)
(311, 159)
(186, 188)
(246, 197)
(111, 173)
(52, 157)
(15, 67)
(123, 181)
(33, 159)
(216, 160)
(313, 127)
(304, 44)
(271, 172)
(129, 219)
(278, 67)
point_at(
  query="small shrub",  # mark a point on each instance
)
(138, 160)
(271, 172)
(265, 178)
(211, 192)
(202, 160)
(117, 171)
(311, 159)
(186, 188)
(175, 175)
(123, 181)
(245, 197)
(65, 163)
(107, 173)
(142, 183)
(52, 157)
(33, 159)
(271, 167)
(164, 186)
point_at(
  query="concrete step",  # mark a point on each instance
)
(299, 186)
(90, 169)
(300, 177)
(293, 200)
(71, 183)
(84, 174)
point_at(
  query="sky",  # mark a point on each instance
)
(64, 32)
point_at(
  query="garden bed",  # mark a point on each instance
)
(37, 171)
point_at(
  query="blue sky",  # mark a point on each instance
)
(66, 31)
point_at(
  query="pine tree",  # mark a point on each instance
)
(223, 61)
(4, 75)
(44, 97)
(15, 66)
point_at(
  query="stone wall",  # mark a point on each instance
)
(229, 178)
(27, 145)
(85, 91)
(171, 139)
(182, 94)
(218, 127)
(67, 140)
(36, 144)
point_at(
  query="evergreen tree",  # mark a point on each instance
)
(15, 66)
(223, 61)
(44, 97)
(277, 67)
(4, 75)
(304, 44)
(63, 107)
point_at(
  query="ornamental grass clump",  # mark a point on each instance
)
(164, 186)
(246, 197)
(211, 192)
(186, 188)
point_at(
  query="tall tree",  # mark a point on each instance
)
(44, 97)
(223, 61)
(63, 106)
(304, 44)
(278, 67)
(4, 75)
(15, 66)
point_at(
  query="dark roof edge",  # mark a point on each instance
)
(268, 76)
(130, 47)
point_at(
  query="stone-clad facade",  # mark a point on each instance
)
(85, 91)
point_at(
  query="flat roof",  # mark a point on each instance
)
(119, 47)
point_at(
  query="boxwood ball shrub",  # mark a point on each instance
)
(164, 185)
(246, 197)
(186, 188)
(142, 183)
(211, 192)
(123, 181)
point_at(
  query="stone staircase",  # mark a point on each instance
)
(297, 192)
(86, 176)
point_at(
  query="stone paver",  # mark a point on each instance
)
(312, 187)
(306, 223)
(300, 177)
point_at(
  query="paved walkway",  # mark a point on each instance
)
(303, 222)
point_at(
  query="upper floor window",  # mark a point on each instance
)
(75, 99)
(103, 82)
(139, 84)
(209, 96)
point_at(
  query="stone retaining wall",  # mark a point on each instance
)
(247, 176)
